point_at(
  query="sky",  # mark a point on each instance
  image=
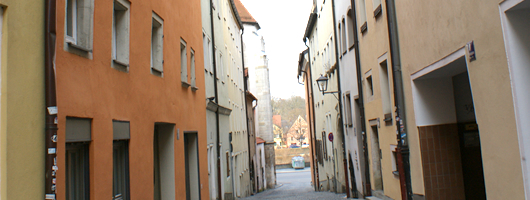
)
(283, 24)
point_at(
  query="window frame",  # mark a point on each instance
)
(157, 58)
(82, 148)
(121, 36)
(184, 63)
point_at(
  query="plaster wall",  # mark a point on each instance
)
(515, 29)
(374, 49)
(432, 30)
(22, 100)
(348, 82)
(90, 88)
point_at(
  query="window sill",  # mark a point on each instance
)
(156, 72)
(120, 66)
(185, 84)
(193, 88)
(75, 46)
(396, 173)
(377, 11)
(364, 27)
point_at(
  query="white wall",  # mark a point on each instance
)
(516, 28)
(433, 101)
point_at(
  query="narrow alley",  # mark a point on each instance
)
(294, 184)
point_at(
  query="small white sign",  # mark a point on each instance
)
(52, 110)
(51, 150)
(50, 196)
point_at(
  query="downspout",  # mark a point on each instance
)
(403, 149)
(340, 103)
(216, 94)
(313, 132)
(367, 187)
(51, 100)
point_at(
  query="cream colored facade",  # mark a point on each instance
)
(433, 37)
(230, 102)
(321, 42)
(22, 99)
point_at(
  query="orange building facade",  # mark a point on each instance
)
(131, 102)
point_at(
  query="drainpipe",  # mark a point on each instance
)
(313, 131)
(367, 187)
(216, 93)
(404, 165)
(51, 100)
(340, 103)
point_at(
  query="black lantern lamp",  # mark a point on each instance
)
(322, 83)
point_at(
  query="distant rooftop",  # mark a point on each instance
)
(246, 17)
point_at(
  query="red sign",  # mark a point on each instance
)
(330, 137)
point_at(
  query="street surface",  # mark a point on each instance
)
(294, 185)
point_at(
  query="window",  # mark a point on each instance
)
(377, 7)
(78, 137)
(227, 164)
(370, 86)
(192, 69)
(362, 15)
(220, 66)
(183, 63)
(79, 16)
(120, 167)
(394, 158)
(207, 48)
(385, 88)
(157, 35)
(347, 107)
(350, 30)
(343, 35)
(120, 35)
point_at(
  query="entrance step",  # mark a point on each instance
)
(378, 195)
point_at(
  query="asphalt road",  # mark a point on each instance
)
(294, 185)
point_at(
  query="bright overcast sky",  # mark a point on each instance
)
(282, 24)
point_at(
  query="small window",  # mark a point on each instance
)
(120, 180)
(79, 17)
(78, 137)
(343, 38)
(394, 159)
(192, 69)
(227, 164)
(349, 29)
(370, 86)
(362, 15)
(377, 7)
(207, 48)
(157, 35)
(347, 107)
(220, 66)
(120, 35)
(183, 63)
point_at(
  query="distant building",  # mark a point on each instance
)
(298, 134)
(257, 63)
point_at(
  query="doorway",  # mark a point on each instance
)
(191, 149)
(164, 161)
(449, 134)
(376, 159)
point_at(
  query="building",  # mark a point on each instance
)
(228, 140)
(463, 97)
(131, 100)
(298, 134)
(257, 64)
(352, 99)
(328, 129)
(22, 106)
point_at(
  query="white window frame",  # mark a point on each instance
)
(121, 35)
(82, 16)
(184, 62)
(157, 42)
(192, 69)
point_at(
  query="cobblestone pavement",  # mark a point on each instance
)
(294, 185)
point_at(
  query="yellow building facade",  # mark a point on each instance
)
(22, 99)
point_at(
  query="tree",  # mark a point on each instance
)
(289, 109)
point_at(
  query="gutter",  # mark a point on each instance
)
(340, 103)
(399, 99)
(50, 100)
(367, 187)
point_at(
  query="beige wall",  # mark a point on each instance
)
(431, 30)
(22, 100)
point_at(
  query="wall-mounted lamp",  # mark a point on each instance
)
(322, 83)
